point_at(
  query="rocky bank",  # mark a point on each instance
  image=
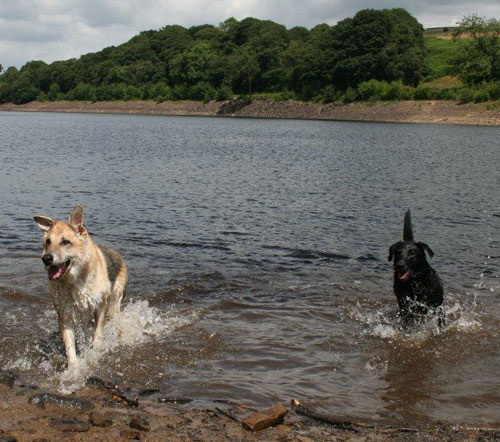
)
(442, 112)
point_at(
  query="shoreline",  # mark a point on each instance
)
(424, 112)
(107, 412)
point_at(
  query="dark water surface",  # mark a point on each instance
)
(258, 258)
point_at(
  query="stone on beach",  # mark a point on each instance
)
(265, 419)
(7, 378)
(128, 433)
(59, 400)
(139, 423)
(73, 425)
(100, 420)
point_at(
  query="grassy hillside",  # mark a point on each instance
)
(440, 53)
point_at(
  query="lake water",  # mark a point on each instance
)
(258, 258)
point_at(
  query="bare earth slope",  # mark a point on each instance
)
(443, 112)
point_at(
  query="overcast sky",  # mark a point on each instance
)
(51, 30)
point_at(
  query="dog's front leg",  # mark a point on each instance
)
(68, 336)
(100, 319)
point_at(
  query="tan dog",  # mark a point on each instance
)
(83, 277)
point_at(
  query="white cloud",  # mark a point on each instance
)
(52, 30)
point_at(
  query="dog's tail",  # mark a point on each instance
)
(407, 229)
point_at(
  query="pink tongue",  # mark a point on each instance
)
(405, 276)
(57, 274)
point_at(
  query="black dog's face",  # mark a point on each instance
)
(409, 258)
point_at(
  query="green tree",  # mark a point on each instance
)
(64, 73)
(479, 57)
(383, 44)
(38, 73)
(244, 56)
(5, 92)
(83, 92)
(246, 67)
(192, 64)
(10, 75)
(23, 90)
(54, 93)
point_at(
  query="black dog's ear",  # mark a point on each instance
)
(425, 248)
(391, 251)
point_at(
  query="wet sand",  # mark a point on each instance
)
(442, 112)
(105, 412)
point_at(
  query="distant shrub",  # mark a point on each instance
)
(224, 93)
(426, 93)
(408, 93)
(109, 92)
(160, 92)
(23, 91)
(42, 96)
(329, 94)
(286, 95)
(482, 95)
(349, 95)
(394, 91)
(180, 92)
(372, 90)
(247, 99)
(203, 91)
(145, 91)
(308, 92)
(494, 90)
(445, 94)
(131, 93)
(466, 95)
(5, 93)
(102, 94)
(82, 92)
(54, 92)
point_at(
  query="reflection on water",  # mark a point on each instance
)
(258, 258)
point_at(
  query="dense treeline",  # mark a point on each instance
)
(237, 57)
(376, 55)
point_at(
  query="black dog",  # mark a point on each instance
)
(416, 284)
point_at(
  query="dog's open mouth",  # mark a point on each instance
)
(404, 276)
(57, 271)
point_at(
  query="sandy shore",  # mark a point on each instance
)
(105, 412)
(442, 112)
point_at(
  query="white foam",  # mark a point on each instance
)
(461, 315)
(136, 324)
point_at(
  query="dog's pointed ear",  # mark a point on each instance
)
(391, 252)
(426, 249)
(76, 219)
(44, 222)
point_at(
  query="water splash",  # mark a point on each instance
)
(137, 324)
(463, 314)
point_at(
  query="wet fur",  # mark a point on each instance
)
(93, 284)
(417, 286)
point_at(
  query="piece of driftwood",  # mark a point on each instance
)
(325, 418)
(227, 414)
(174, 400)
